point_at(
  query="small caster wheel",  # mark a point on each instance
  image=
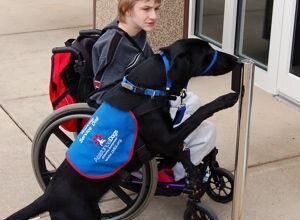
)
(220, 185)
(199, 211)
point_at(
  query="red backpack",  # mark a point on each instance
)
(72, 77)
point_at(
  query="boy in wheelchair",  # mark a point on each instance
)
(137, 18)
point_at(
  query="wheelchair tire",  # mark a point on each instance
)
(48, 151)
(199, 211)
(220, 185)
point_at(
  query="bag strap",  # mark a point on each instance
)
(112, 49)
(134, 43)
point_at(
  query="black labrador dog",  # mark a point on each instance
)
(71, 196)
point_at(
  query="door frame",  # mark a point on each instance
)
(264, 79)
(287, 83)
(229, 24)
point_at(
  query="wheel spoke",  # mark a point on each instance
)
(47, 175)
(213, 187)
(226, 181)
(194, 213)
(227, 187)
(123, 195)
(225, 192)
(219, 191)
(65, 139)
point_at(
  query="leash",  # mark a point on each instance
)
(182, 107)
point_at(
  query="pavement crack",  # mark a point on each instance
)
(25, 97)
(274, 161)
(16, 123)
(44, 30)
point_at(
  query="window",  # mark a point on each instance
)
(209, 20)
(253, 30)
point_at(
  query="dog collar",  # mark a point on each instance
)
(144, 91)
(212, 62)
(167, 68)
(181, 108)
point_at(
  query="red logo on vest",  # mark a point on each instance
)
(98, 139)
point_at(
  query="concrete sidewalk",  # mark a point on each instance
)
(26, 39)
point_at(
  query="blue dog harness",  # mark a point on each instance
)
(182, 108)
(105, 144)
(151, 92)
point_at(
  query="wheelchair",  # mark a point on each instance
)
(131, 196)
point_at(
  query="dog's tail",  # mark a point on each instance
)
(35, 208)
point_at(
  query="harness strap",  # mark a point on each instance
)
(167, 68)
(179, 114)
(182, 108)
(144, 91)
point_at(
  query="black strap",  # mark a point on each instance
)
(113, 46)
(128, 37)
(60, 98)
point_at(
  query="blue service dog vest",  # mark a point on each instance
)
(105, 144)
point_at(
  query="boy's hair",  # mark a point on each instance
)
(126, 5)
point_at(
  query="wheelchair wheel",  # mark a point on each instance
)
(220, 185)
(48, 151)
(199, 211)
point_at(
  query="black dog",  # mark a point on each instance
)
(70, 196)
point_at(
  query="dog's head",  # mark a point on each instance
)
(194, 57)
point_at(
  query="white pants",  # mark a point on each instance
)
(201, 141)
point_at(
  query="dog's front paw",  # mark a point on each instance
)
(232, 98)
(228, 100)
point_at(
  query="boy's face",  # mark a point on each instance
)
(144, 15)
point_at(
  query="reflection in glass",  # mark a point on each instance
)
(254, 28)
(209, 20)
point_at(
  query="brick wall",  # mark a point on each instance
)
(169, 29)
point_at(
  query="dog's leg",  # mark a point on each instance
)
(187, 164)
(183, 130)
(35, 208)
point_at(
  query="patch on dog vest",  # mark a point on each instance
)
(105, 144)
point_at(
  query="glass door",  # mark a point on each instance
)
(289, 66)
(214, 21)
(242, 27)
(209, 19)
(254, 30)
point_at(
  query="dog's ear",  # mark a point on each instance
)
(176, 49)
(180, 64)
(178, 57)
